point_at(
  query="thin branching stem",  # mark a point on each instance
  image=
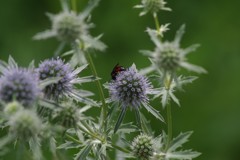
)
(169, 124)
(168, 81)
(74, 5)
(100, 90)
(157, 24)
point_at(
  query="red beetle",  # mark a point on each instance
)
(117, 69)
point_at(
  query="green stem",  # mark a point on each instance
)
(100, 90)
(155, 16)
(169, 123)
(74, 5)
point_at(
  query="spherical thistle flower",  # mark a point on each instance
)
(142, 147)
(19, 84)
(130, 88)
(67, 115)
(24, 124)
(169, 56)
(152, 6)
(54, 68)
(66, 79)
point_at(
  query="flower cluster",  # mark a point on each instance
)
(130, 88)
(152, 6)
(19, 84)
(54, 68)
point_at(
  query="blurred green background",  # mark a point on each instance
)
(210, 106)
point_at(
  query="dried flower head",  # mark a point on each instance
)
(169, 56)
(152, 6)
(24, 124)
(19, 84)
(130, 88)
(142, 147)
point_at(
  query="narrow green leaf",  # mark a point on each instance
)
(179, 141)
(120, 119)
(154, 112)
(82, 155)
(48, 81)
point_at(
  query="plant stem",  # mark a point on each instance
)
(74, 5)
(169, 124)
(168, 82)
(100, 90)
(155, 16)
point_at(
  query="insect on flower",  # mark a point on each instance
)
(117, 69)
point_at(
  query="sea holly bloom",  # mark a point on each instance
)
(168, 57)
(24, 124)
(142, 147)
(131, 89)
(64, 80)
(152, 6)
(20, 84)
(72, 28)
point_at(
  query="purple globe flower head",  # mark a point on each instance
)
(56, 68)
(19, 84)
(130, 88)
(67, 78)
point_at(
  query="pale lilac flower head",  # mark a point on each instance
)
(53, 68)
(130, 88)
(19, 84)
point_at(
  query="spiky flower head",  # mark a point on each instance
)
(12, 108)
(169, 56)
(142, 147)
(66, 115)
(19, 84)
(53, 68)
(68, 26)
(130, 88)
(152, 6)
(65, 80)
(24, 124)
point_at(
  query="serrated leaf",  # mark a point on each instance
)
(192, 67)
(12, 63)
(179, 141)
(120, 119)
(79, 98)
(82, 155)
(48, 81)
(34, 144)
(174, 98)
(68, 145)
(154, 112)
(183, 155)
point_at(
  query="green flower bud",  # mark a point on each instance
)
(142, 147)
(168, 58)
(68, 26)
(24, 124)
(12, 108)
